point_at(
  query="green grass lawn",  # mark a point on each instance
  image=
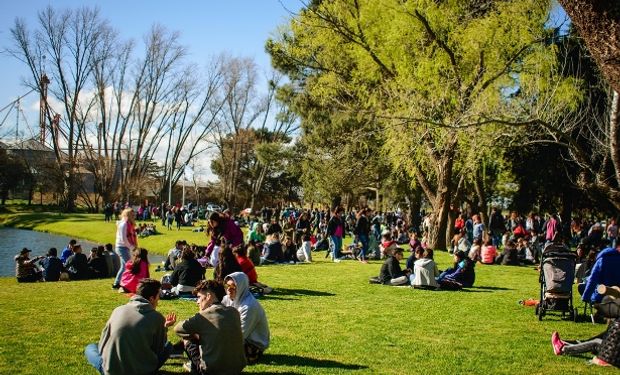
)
(324, 318)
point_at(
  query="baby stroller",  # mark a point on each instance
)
(557, 273)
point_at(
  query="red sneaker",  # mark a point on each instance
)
(557, 344)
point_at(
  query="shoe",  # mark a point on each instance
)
(557, 344)
(187, 366)
(115, 286)
(598, 362)
(337, 260)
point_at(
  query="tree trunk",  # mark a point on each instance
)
(598, 23)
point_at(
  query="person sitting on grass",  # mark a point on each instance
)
(247, 266)
(390, 273)
(26, 270)
(289, 250)
(134, 339)
(254, 325)
(77, 264)
(212, 338)
(272, 251)
(97, 267)
(304, 253)
(488, 252)
(254, 251)
(425, 270)
(187, 273)
(604, 271)
(461, 275)
(135, 270)
(52, 266)
(605, 346)
(510, 255)
(227, 264)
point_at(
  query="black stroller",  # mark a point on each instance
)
(557, 274)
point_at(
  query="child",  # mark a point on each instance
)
(136, 269)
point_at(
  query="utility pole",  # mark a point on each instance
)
(17, 108)
(43, 106)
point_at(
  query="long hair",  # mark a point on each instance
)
(128, 215)
(227, 263)
(139, 255)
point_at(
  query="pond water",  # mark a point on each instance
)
(13, 240)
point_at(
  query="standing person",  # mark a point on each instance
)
(52, 266)
(552, 228)
(67, 251)
(126, 242)
(223, 228)
(212, 338)
(178, 217)
(478, 228)
(496, 226)
(362, 230)
(134, 339)
(254, 324)
(335, 231)
(301, 228)
(25, 268)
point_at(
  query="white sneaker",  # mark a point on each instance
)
(337, 260)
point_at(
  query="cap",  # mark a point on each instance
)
(25, 250)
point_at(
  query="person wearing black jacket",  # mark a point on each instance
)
(77, 264)
(301, 227)
(362, 230)
(390, 273)
(187, 273)
(97, 265)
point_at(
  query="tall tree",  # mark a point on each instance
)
(433, 73)
(598, 23)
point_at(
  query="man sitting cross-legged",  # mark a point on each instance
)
(134, 339)
(212, 338)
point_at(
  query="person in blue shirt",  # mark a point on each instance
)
(52, 266)
(605, 271)
(67, 251)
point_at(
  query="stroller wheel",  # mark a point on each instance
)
(536, 309)
(541, 313)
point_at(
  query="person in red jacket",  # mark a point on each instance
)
(248, 268)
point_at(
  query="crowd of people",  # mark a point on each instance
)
(231, 329)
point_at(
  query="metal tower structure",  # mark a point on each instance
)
(44, 82)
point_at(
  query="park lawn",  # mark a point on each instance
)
(324, 318)
(93, 228)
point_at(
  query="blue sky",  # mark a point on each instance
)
(208, 28)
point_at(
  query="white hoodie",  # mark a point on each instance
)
(424, 271)
(253, 318)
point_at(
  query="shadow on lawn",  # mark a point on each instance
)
(295, 360)
(282, 293)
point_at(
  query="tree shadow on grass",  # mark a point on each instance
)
(295, 360)
(299, 292)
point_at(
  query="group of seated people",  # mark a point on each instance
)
(145, 230)
(189, 263)
(72, 264)
(516, 251)
(422, 271)
(229, 331)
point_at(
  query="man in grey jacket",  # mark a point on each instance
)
(134, 340)
(212, 338)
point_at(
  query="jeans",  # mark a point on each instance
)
(94, 357)
(363, 238)
(123, 256)
(337, 246)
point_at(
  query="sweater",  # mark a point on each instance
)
(425, 271)
(253, 318)
(132, 339)
(390, 270)
(187, 273)
(605, 271)
(221, 341)
(129, 280)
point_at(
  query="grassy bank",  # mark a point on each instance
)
(93, 228)
(324, 318)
